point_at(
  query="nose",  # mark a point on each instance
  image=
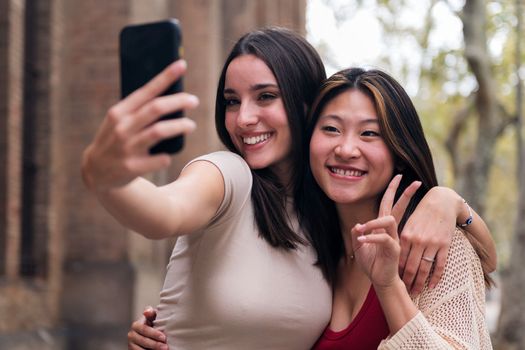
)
(348, 148)
(247, 114)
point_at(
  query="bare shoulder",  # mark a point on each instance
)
(195, 196)
(201, 179)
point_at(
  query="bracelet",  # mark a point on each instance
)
(469, 219)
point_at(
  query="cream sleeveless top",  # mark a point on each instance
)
(227, 288)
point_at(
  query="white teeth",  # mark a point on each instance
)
(344, 172)
(256, 139)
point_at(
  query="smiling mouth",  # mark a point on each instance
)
(346, 172)
(253, 140)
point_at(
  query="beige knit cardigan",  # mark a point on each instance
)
(452, 315)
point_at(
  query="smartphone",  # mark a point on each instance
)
(145, 50)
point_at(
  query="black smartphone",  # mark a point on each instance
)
(145, 50)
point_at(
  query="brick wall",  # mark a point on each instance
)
(58, 75)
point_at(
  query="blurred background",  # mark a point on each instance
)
(72, 278)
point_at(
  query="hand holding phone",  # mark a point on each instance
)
(118, 153)
(139, 125)
(146, 50)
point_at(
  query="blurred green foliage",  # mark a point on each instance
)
(443, 86)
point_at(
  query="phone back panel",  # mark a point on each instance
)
(145, 50)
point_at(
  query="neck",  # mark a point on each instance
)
(284, 173)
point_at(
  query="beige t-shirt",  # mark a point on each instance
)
(227, 288)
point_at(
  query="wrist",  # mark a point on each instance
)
(391, 288)
(87, 178)
(397, 305)
(87, 172)
(465, 217)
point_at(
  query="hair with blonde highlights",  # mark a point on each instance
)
(403, 134)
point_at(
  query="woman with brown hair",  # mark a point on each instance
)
(364, 130)
(242, 274)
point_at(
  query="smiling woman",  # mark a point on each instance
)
(255, 115)
(349, 159)
(365, 131)
(242, 274)
(246, 271)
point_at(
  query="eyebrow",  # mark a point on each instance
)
(255, 87)
(368, 120)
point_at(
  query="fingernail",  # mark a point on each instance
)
(361, 238)
(194, 100)
(182, 64)
(431, 285)
(192, 125)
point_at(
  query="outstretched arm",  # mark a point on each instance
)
(119, 154)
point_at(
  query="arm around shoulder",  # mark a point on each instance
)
(479, 230)
(476, 226)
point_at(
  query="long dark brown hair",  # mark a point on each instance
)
(403, 134)
(299, 72)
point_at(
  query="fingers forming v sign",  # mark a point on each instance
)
(378, 251)
(399, 208)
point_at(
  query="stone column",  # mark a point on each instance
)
(11, 114)
(31, 276)
(62, 78)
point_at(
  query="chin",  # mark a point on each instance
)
(333, 195)
(256, 164)
(340, 197)
(341, 200)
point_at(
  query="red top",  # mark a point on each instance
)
(365, 331)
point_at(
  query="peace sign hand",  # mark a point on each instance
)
(376, 243)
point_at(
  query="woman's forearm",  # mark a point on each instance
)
(397, 305)
(183, 206)
(140, 206)
(479, 230)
